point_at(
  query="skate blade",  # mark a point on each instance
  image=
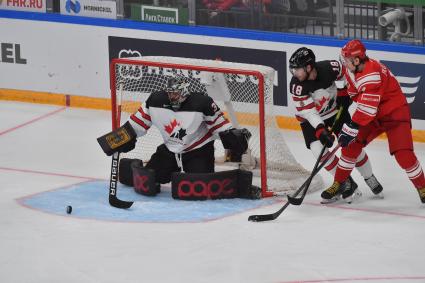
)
(331, 200)
(355, 196)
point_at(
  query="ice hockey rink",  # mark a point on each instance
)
(50, 159)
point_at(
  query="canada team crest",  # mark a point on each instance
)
(175, 130)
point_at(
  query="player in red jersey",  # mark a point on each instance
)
(381, 108)
(317, 99)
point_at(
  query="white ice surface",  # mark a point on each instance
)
(369, 241)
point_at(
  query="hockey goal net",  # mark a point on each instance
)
(243, 91)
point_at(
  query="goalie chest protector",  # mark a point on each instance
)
(190, 127)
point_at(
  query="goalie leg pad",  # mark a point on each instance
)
(245, 188)
(125, 173)
(144, 180)
(122, 139)
(217, 185)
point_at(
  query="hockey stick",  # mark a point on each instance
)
(113, 199)
(299, 201)
(316, 169)
(272, 216)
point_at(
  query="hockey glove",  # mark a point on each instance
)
(235, 140)
(122, 139)
(325, 136)
(348, 133)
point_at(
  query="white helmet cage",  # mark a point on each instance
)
(178, 83)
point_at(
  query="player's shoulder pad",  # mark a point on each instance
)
(374, 66)
(332, 67)
(199, 102)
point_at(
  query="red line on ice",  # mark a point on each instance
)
(367, 210)
(47, 173)
(32, 121)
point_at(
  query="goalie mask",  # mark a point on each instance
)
(177, 89)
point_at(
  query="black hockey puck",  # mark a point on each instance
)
(69, 209)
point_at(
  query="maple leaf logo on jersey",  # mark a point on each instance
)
(170, 127)
(320, 103)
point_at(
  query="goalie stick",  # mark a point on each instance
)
(113, 185)
(299, 201)
(272, 216)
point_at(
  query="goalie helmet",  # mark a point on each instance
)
(301, 58)
(178, 90)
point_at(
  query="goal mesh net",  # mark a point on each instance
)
(243, 91)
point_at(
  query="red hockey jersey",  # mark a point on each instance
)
(376, 91)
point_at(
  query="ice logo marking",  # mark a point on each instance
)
(130, 71)
(71, 6)
(409, 86)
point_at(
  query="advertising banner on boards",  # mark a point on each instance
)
(120, 47)
(89, 8)
(411, 77)
(24, 5)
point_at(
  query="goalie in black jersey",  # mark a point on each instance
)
(317, 100)
(189, 123)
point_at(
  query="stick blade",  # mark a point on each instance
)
(261, 218)
(295, 201)
(115, 202)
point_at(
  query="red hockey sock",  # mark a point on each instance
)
(347, 161)
(331, 164)
(409, 162)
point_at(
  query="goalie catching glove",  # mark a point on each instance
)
(122, 139)
(235, 140)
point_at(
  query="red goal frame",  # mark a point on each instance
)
(261, 107)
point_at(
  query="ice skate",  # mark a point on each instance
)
(350, 192)
(332, 194)
(375, 186)
(421, 193)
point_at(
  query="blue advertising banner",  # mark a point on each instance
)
(120, 47)
(411, 77)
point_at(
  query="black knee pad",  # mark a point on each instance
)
(144, 180)
(125, 173)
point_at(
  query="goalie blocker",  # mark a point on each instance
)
(122, 139)
(218, 185)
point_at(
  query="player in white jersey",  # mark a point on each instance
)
(189, 122)
(317, 100)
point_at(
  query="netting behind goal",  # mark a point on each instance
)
(243, 91)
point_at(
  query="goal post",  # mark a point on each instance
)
(243, 91)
